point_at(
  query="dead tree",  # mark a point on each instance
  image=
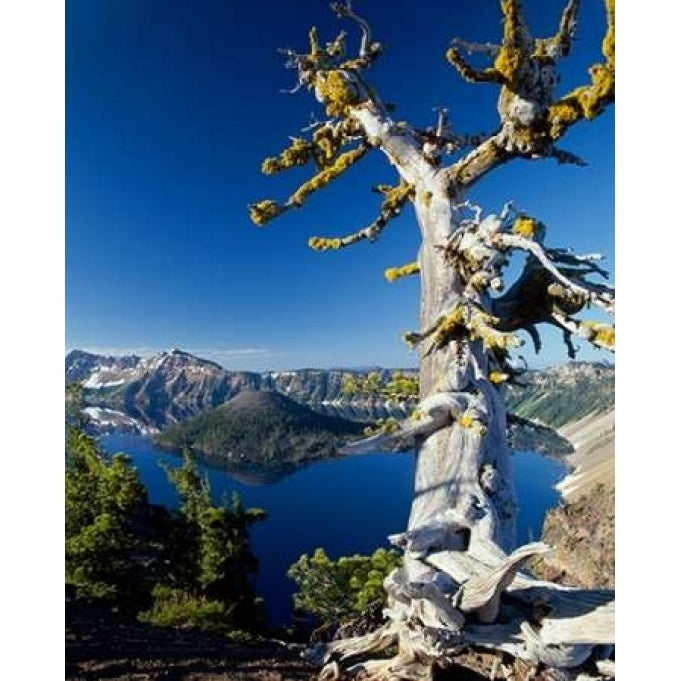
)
(460, 584)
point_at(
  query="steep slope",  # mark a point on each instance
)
(593, 460)
(582, 529)
(166, 388)
(81, 366)
(565, 393)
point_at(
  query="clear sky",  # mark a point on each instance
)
(171, 105)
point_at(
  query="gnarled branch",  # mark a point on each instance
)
(395, 198)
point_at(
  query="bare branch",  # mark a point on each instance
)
(395, 198)
(534, 336)
(598, 334)
(563, 156)
(368, 51)
(485, 48)
(596, 294)
(567, 339)
(487, 156)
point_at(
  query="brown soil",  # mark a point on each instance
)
(582, 534)
(102, 645)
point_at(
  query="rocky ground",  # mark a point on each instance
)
(582, 534)
(103, 645)
(582, 529)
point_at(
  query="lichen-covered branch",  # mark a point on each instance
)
(533, 118)
(588, 101)
(408, 270)
(264, 211)
(468, 72)
(394, 200)
(552, 287)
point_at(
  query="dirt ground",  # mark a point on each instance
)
(106, 646)
(103, 645)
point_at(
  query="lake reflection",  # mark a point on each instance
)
(347, 506)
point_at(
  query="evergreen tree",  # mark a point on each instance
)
(209, 582)
(333, 591)
(106, 554)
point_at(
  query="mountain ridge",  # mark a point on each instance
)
(170, 387)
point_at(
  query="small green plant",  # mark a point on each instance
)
(336, 590)
(177, 608)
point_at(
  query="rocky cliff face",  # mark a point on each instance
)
(565, 393)
(166, 388)
(171, 387)
(82, 366)
(149, 394)
(582, 535)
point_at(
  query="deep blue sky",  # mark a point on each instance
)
(171, 105)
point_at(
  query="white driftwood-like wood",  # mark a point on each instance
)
(460, 582)
(481, 595)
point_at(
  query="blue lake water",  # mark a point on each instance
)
(346, 506)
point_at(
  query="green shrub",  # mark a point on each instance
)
(335, 590)
(177, 608)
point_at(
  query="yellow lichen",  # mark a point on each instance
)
(525, 227)
(608, 45)
(264, 211)
(469, 419)
(297, 154)
(498, 377)
(451, 327)
(512, 54)
(395, 197)
(481, 325)
(561, 115)
(588, 101)
(320, 243)
(321, 179)
(337, 91)
(393, 273)
(606, 336)
(599, 333)
(479, 280)
(508, 63)
(386, 426)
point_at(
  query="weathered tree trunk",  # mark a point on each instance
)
(451, 462)
(458, 546)
(460, 583)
